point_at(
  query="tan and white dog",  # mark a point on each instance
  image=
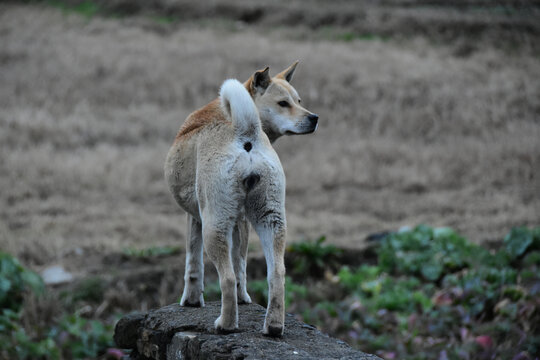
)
(223, 171)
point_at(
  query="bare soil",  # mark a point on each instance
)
(428, 114)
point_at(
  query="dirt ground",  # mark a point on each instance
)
(418, 123)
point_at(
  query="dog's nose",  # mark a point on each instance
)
(313, 118)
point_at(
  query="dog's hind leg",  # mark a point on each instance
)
(239, 257)
(194, 273)
(217, 241)
(272, 237)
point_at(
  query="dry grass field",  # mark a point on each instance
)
(427, 115)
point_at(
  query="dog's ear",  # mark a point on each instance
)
(260, 81)
(288, 73)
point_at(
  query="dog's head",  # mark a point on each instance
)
(279, 104)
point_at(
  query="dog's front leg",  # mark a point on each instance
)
(273, 242)
(216, 242)
(239, 255)
(194, 273)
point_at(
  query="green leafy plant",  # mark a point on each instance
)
(426, 252)
(15, 281)
(91, 289)
(73, 337)
(80, 338)
(258, 291)
(521, 239)
(212, 291)
(15, 343)
(294, 292)
(313, 257)
(433, 294)
(364, 278)
(85, 8)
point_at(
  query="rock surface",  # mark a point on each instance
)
(175, 332)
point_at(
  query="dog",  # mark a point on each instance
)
(223, 171)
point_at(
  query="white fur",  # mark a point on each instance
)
(238, 105)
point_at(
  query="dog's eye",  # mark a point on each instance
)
(284, 103)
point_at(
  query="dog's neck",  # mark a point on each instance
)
(271, 133)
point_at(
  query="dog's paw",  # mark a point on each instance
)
(188, 304)
(192, 301)
(222, 328)
(273, 325)
(244, 298)
(273, 330)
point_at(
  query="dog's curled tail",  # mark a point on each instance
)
(240, 108)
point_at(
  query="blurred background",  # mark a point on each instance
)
(429, 114)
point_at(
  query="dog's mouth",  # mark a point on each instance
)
(302, 132)
(288, 132)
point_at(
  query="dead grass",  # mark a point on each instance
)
(411, 132)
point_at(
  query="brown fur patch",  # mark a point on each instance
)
(200, 118)
(209, 113)
(248, 86)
